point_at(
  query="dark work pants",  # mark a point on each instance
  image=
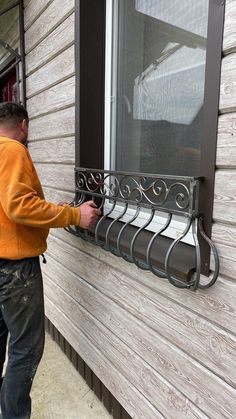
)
(22, 317)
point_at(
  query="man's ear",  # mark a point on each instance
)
(24, 125)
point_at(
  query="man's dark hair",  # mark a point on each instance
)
(12, 113)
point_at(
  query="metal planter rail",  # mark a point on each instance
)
(173, 195)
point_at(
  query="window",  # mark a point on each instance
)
(12, 70)
(155, 77)
(154, 95)
(147, 93)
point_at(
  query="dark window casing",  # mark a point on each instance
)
(90, 79)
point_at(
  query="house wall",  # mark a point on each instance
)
(224, 229)
(50, 85)
(161, 351)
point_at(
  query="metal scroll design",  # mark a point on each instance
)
(123, 197)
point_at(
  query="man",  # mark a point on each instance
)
(25, 219)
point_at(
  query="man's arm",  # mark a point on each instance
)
(21, 202)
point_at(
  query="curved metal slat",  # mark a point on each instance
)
(121, 254)
(115, 252)
(197, 273)
(99, 225)
(155, 271)
(215, 255)
(141, 265)
(173, 280)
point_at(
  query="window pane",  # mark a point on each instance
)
(159, 53)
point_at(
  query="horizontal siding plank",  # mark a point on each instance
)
(56, 12)
(56, 42)
(53, 125)
(212, 395)
(225, 238)
(54, 175)
(229, 43)
(227, 260)
(224, 234)
(59, 68)
(146, 380)
(218, 303)
(135, 404)
(225, 198)
(183, 328)
(228, 84)
(59, 150)
(53, 99)
(226, 142)
(34, 10)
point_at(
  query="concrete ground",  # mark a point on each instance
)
(59, 392)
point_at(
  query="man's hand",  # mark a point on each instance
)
(89, 214)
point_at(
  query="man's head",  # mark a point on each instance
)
(14, 121)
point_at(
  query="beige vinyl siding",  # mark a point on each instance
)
(60, 39)
(33, 10)
(52, 73)
(53, 125)
(58, 152)
(163, 352)
(224, 228)
(47, 21)
(51, 94)
(229, 42)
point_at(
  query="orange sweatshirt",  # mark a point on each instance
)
(25, 216)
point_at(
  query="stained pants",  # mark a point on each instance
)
(22, 318)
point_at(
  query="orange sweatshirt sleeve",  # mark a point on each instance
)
(19, 197)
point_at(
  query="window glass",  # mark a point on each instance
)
(157, 85)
